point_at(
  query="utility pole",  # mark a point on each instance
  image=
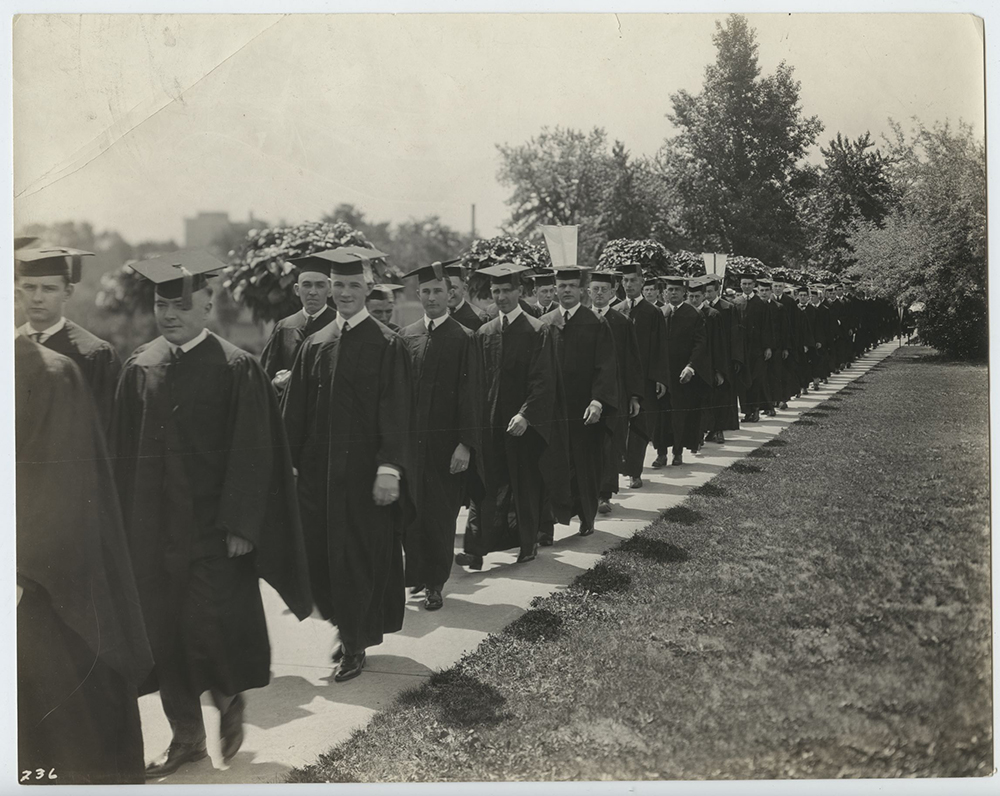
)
(473, 220)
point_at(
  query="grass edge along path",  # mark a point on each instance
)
(770, 626)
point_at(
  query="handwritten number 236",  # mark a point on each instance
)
(39, 773)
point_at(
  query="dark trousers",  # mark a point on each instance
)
(429, 541)
(183, 709)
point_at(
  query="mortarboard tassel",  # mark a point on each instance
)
(76, 268)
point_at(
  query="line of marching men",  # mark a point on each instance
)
(153, 495)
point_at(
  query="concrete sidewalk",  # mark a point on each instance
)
(302, 713)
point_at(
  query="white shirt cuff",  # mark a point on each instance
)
(597, 405)
(387, 469)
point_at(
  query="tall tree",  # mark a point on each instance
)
(626, 212)
(854, 185)
(737, 158)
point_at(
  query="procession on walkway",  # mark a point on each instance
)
(336, 467)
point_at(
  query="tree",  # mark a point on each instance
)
(933, 248)
(558, 177)
(854, 185)
(737, 158)
(626, 213)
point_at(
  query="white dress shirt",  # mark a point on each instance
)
(28, 331)
(436, 321)
(512, 315)
(189, 344)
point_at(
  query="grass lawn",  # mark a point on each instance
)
(819, 609)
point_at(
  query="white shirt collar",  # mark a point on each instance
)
(513, 314)
(352, 321)
(567, 314)
(457, 307)
(27, 330)
(602, 311)
(190, 343)
(437, 321)
(309, 317)
(636, 300)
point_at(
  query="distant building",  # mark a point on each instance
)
(214, 230)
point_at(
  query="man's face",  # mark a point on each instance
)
(633, 285)
(675, 294)
(651, 293)
(505, 296)
(803, 297)
(601, 294)
(711, 292)
(569, 292)
(747, 285)
(777, 289)
(695, 297)
(381, 309)
(456, 292)
(179, 325)
(349, 294)
(313, 290)
(839, 292)
(42, 298)
(433, 297)
(764, 291)
(546, 294)
(815, 298)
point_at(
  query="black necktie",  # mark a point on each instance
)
(176, 355)
(504, 324)
(37, 337)
(430, 326)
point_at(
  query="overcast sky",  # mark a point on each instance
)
(133, 122)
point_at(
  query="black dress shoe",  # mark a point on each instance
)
(417, 589)
(678, 460)
(433, 601)
(603, 506)
(177, 755)
(783, 405)
(659, 461)
(586, 530)
(469, 560)
(231, 728)
(350, 667)
(524, 558)
(720, 437)
(545, 541)
(635, 482)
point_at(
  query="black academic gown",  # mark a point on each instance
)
(348, 411)
(823, 334)
(469, 315)
(803, 322)
(789, 372)
(585, 350)
(650, 333)
(447, 411)
(714, 395)
(201, 452)
(774, 380)
(756, 338)
(630, 384)
(97, 360)
(522, 377)
(726, 412)
(287, 337)
(686, 345)
(81, 645)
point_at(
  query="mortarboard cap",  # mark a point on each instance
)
(351, 260)
(428, 273)
(561, 243)
(610, 277)
(698, 283)
(677, 281)
(179, 274)
(312, 262)
(383, 292)
(712, 279)
(503, 273)
(24, 241)
(453, 267)
(45, 260)
(571, 272)
(765, 282)
(629, 268)
(543, 277)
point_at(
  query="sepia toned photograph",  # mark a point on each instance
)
(492, 397)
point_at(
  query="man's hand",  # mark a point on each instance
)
(633, 406)
(460, 459)
(281, 377)
(819, 346)
(592, 414)
(736, 366)
(718, 379)
(386, 489)
(661, 390)
(237, 545)
(784, 353)
(687, 374)
(517, 426)
(767, 354)
(805, 349)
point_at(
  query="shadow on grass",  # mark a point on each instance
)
(682, 515)
(653, 549)
(761, 453)
(806, 422)
(603, 579)
(776, 443)
(710, 490)
(460, 700)
(816, 413)
(536, 624)
(744, 467)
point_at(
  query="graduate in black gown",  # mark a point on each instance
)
(81, 645)
(630, 383)
(446, 434)
(459, 306)
(525, 453)
(312, 286)
(347, 409)
(208, 499)
(45, 279)
(381, 304)
(585, 350)
(725, 415)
